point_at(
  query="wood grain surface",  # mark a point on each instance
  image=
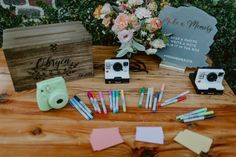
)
(27, 132)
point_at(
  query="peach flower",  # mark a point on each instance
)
(120, 23)
(106, 21)
(133, 20)
(97, 12)
(154, 24)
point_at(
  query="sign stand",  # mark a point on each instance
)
(172, 66)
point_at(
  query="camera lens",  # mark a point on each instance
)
(211, 77)
(117, 66)
(59, 101)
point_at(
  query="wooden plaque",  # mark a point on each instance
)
(41, 52)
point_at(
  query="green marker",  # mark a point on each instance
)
(140, 102)
(117, 101)
(197, 115)
(193, 112)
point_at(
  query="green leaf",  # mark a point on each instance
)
(138, 46)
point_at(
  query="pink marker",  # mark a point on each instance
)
(103, 103)
(92, 101)
(96, 102)
(110, 100)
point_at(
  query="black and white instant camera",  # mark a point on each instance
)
(208, 81)
(117, 71)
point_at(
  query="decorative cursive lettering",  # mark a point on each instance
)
(48, 66)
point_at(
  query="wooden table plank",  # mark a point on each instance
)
(25, 131)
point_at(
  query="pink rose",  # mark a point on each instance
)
(125, 36)
(106, 21)
(120, 23)
(154, 24)
(123, 7)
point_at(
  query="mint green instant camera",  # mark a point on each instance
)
(51, 93)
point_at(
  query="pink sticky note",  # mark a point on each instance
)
(104, 138)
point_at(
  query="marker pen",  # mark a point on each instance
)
(161, 94)
(197, 118)
(142, 92)
(110, 100)
(148, 98)
(103, 102)
(92, 101)
(76, 103)
(192, 112)
(197, 115)
(182, 98)
(177, 96)
(117, 101)
(78, 109)
(83, 104)
(123, 100)
(114, 101)
(96, 102)
(154, 106)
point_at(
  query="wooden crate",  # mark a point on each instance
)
(41, 52)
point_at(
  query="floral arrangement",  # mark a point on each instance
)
(135, 24)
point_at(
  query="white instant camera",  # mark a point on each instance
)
(51, 93)
(117, 71)
(208, 80)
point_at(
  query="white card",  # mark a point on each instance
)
(150, 134)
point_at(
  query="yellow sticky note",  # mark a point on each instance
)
(194, 141)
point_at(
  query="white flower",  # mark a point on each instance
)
(151, 51)
(158, 44)
(142, 13)
(143, 33)
(125, 35)
(135, 2)
(106, 9)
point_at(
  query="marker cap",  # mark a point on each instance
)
(181, 98)
(101, 95)
(142, 90)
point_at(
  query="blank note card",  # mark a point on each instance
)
(194, 141)
(150, 134)
(104, 138)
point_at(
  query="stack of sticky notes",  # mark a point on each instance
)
(150, 134)
(104, 138)
(194, 141)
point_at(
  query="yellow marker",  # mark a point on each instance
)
(123, 100)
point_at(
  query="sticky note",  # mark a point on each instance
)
(104, 138)
(194, 141)
(150, 134)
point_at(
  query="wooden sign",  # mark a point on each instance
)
(41, 52)
(193, 33)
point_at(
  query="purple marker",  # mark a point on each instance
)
(103, 102)
(92, 101)
(110, 100)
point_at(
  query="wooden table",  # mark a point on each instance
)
(25, 131)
